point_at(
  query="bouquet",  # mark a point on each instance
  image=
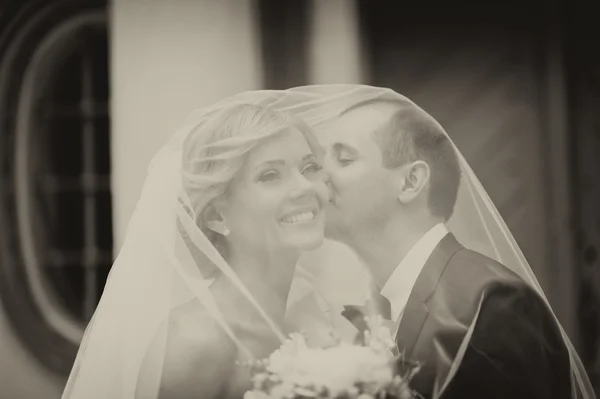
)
(343, 371)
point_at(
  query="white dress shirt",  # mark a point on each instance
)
(400, 283)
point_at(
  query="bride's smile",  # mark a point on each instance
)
(302, 217)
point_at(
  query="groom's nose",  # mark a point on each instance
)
(325, 175)
(329, 185)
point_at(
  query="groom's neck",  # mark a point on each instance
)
(383, 250)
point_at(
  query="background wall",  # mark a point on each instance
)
(21, 375)
(169, 58)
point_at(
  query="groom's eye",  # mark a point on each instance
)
(343, 156)
(343, 161)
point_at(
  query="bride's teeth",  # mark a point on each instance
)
(301, 217)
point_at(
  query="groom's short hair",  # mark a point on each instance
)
(412, 134)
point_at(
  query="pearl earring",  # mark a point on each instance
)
(226, 231)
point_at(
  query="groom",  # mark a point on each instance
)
(394, 178)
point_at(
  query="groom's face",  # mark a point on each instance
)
(362, 191)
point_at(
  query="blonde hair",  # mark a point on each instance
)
(216, 150)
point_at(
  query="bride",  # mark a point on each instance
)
(252, 179)
(253, 176)
(227, 209)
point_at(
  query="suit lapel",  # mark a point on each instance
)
(416, 311)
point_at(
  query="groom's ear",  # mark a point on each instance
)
(413, 180)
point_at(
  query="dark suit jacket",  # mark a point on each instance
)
(516, 349)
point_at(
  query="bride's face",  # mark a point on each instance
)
(277, 199)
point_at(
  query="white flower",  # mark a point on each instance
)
(295, 370)
(283, 391)
(256, 395)
(259, 379)
(338, 368)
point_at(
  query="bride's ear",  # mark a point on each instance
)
(214, 220)
(413, 179)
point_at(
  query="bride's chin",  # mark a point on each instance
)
(310, 244)
(304, 239)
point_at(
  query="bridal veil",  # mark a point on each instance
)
(158, 267)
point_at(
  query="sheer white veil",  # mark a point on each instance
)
(157, 270)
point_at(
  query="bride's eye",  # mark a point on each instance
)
(312, 168)
(269, 176)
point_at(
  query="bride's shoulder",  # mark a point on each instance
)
(192, 327)
(189, 341)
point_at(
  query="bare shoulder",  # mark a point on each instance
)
(195, 334)
(196, 355)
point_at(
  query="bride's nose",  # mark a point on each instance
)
(302, 187)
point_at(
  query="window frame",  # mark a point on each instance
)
(26, 47)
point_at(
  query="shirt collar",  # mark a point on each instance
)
(399, 285)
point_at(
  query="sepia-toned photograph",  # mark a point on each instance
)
(309, 199)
